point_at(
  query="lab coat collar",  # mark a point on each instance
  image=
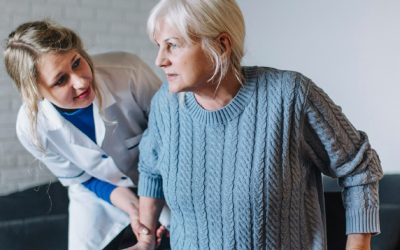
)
(54, 120)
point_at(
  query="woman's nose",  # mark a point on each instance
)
(78, 82)
(161, 59)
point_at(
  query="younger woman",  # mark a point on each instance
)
(83, 118)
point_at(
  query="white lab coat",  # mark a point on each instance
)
(127, 86)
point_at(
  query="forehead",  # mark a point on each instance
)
(164, 30)
(50, 60)
(55, 58)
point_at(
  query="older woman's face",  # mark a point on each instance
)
(186, 66)
(66, 80)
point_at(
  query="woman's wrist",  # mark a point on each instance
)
(360, 241)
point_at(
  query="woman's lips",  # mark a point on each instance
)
(84, 94)
(171, 77)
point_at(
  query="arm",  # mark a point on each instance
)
(66, 171)
(340, 151)
(144, 225)
(101, 188)
(150, 209)
(127, 201)
(150, 182)
(358, 242)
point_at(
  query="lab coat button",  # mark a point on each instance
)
(104, 156)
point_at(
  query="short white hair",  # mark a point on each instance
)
(203, 21)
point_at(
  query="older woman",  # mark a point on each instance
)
(237, 152)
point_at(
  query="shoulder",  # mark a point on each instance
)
(164, 103)
(119, 64)
(162, 96)
(277, 75)
(22, 123)
(47, 118)
(115, 59)
(122, 66)
(278, 78)
(24, 127)
(116, 70)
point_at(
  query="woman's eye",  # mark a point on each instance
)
(76, 63)
(61, 80)
(172, 45)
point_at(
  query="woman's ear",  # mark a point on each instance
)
(225, 43)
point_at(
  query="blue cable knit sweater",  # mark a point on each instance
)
(248, 176)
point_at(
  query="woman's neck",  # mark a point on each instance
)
(216, 97)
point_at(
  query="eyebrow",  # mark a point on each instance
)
(171, 38)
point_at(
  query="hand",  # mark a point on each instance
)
(137, 227)
(139, 230)
(159, 234)
(127, 201)
(150, 209)
(145, 242)
(358, 242)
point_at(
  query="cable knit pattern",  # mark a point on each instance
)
(248, 176)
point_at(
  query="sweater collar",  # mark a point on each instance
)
(233, 109)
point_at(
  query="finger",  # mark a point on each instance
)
(159, 233)
(158, 243)
(135, 225)
(136, 235)
(135, 229)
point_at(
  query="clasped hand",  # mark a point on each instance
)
(147, 240)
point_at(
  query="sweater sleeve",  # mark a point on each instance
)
(343, 152)
(150, 181)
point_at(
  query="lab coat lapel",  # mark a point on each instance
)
(99, 114)
(61, 130)
(54, 121)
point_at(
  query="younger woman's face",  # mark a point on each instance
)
(66, 80)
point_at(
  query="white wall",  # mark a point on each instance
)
(104, 25)
(349, 48)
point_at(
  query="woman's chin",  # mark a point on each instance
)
(173, 89)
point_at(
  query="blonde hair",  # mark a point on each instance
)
(23, 49)
(204, 21)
